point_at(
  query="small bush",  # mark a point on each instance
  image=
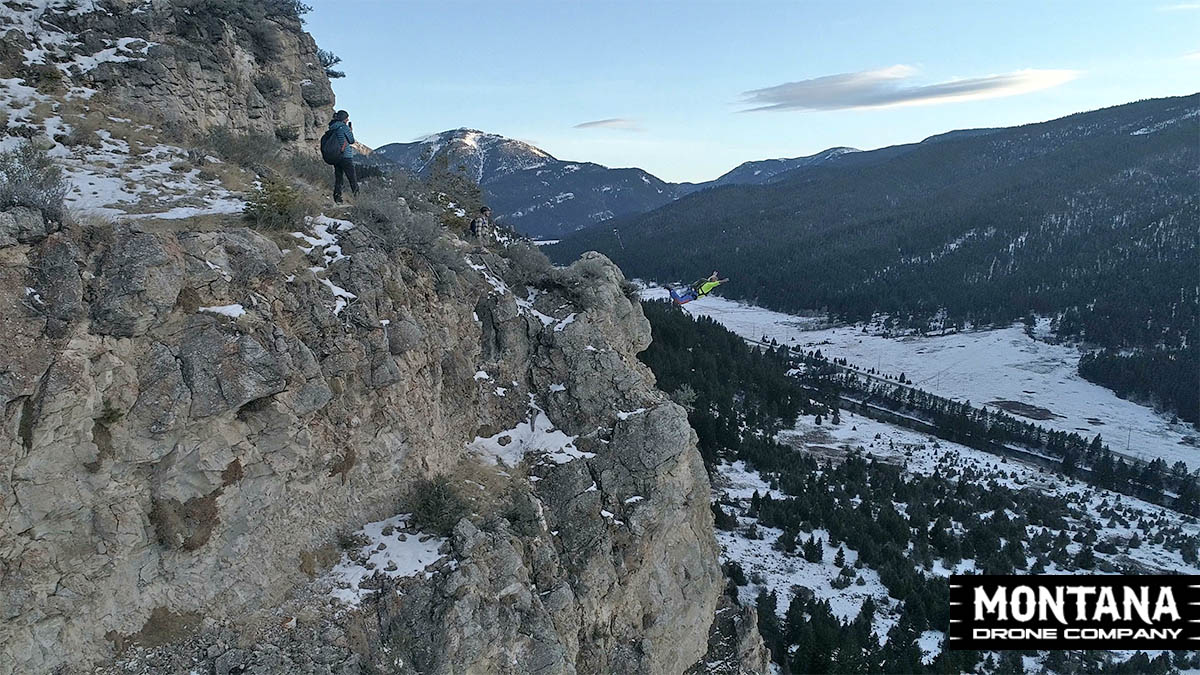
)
(83, 133)
(311, 169)
(276, 205)
(269, 86)
(287, 134)
(436, 505)
(631, 291)
(528, 263)
(46, 78)
(387, 214)
(250, 150)
(328, 60)
(29, 178)
(368, 171)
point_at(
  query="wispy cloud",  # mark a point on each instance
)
(619, 123)
(886, 87)
(1179, 7)
(1192, 56)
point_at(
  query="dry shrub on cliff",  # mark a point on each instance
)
(387, 213)
(529, 264)
(310, 169)
(47, 78)
(29, 178)
(248, 150)
(84, 131)
(436, 505)
(632, 291)
(277, 205)
(185, 525)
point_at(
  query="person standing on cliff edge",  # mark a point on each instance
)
(336, 150)
(481, 226)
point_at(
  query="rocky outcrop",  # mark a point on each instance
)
(193, 421)
(246, 66)
(735, 646)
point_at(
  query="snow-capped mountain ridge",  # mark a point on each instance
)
(527, 187)
(483, 156)
(541, 195)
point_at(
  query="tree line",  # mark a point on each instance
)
(900, 525)
(1074, 219)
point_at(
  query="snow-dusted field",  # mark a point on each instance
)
(783, 572)
(927, 453)
(920, 454)
(978, 366)
(108, 177)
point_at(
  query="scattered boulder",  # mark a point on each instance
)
(22, 224)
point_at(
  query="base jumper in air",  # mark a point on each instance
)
(697, 290)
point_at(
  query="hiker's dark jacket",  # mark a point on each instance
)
(343, 134)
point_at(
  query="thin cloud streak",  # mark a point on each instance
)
(1180, 7)
(618, 123)
(887, 87)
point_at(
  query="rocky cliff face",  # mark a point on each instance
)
(214, 439)
(197, 65)
(192, 419)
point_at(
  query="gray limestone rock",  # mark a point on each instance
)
(21, 224)
(137, 283)
(225, 370)
(163, 397)
(57, 284)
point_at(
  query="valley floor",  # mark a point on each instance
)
(770, 569)
(1004, 368)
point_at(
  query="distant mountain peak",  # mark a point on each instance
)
(482, 141)
(765, 170)
(527, 187)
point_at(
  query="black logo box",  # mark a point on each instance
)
(1126, 631)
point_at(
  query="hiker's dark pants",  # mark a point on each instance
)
(344, 166)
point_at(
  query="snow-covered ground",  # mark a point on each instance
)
(784, 573)
(110, 174)
(115, 179)
(977, 366)
(534, 437)
(324, 250)
(920, 454)
(924, 455)
(391, 549)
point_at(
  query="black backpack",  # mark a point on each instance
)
(331, 148)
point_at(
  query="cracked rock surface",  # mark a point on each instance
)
(174, 482)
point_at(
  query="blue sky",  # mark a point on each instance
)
(689, 89)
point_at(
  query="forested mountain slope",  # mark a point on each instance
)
(1091, 219)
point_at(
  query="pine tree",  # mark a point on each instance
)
(813, 550)
(840, 558)
(1086, 558)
